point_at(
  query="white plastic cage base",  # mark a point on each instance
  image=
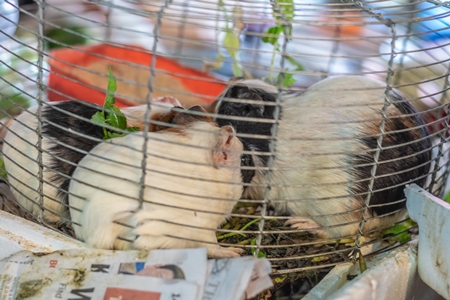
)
(390, 275)
(419, 270)
(433, 216)
(17, 234)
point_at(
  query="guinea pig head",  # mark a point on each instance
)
(228, 148)
(221, 157)
(249, 100)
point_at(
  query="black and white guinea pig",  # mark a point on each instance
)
(192, 182)
(66, 138)
(325, 151)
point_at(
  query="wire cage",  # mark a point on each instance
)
(300, 122)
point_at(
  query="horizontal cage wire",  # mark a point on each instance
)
(279, 129)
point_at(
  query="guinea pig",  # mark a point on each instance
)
(325, 148)
(67, 135)
(191, 178)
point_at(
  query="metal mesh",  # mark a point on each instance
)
(293, 45)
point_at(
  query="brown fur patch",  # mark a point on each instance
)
(176, 115)
(164, 117)
(180, 118)
(184, 118)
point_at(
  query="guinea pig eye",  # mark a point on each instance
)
(246, 160)
(260, 109)
(247, 109)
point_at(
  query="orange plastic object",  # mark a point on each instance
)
(67, 80)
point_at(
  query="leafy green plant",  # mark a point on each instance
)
(13, 104)
(260, 253)
(13, 99)
(283, 11)
(230, 42)
(111, 114)
(399, 232)
(58, 38)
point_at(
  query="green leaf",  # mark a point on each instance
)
(13, 104)
(237, 69)
(399, 232)
(133, 129)
(288, 79)
(111, 135)
(287, 30)
(447, 197)
(232, 43)
(273, 33)
(401, 238)
(64, 37)
(116, 118)
(298, 66)
(286, 9)
(260, 253)
(112, 87)
(401, 227)
(99, 118)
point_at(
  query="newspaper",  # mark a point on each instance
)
(172, 274)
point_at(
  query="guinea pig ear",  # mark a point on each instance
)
(184, 118)
(221, 154)
(169, 100)
(212, 108)
(197, 108)
(165, 117)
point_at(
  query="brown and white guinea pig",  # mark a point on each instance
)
(325, 149)
(67, 135)
(192, 181)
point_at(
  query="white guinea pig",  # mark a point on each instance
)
(192, 181)
(325, 150)
(66, 137)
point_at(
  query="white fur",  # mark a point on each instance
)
(166, 196)
(20, 155)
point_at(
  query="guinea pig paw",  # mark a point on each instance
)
(222, 252)
(301, 223)
(304, 224)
